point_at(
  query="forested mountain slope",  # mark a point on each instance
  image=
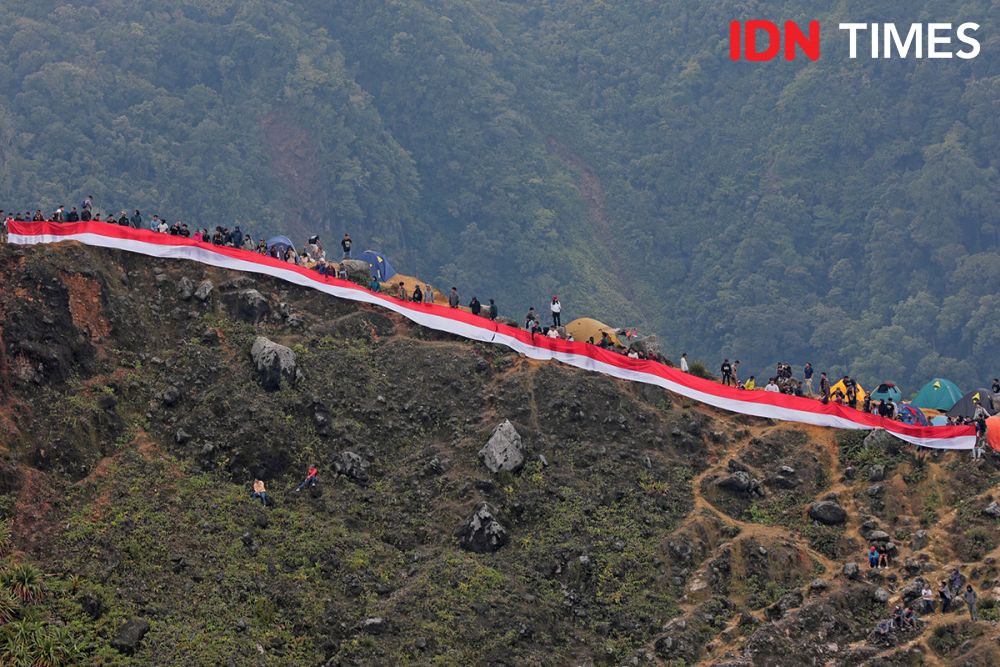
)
(840, 211)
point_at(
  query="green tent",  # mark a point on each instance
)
(938, 394)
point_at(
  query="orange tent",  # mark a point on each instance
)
(993, 432)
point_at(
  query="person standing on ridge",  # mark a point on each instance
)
(530, 318)
(418, 294)
(346, 243)
(556, 309)
(824, 388)
(807, 378)
(727, 372)
(85, 215)
(736, 373)
(684, 363)
(453, 299)
(428, 293)
(73, 216)
(494, 312)
(970, 601)
(475, 307)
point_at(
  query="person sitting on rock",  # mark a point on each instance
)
(909, 619)
(883, 559)
(310, 479)
(751, 384)
(259, 492)
(375, 285)
(872, 557)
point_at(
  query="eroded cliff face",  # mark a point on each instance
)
(637, 527)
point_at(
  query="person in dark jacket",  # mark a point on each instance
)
(346, 244)
(418, 294)
(136, 220)
(453, 299)
(494, 312)
(475, 306)
(85, 215)
(73, 216)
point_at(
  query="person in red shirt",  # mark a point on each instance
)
(310, 479)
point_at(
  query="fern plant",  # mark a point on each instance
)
(24, 581)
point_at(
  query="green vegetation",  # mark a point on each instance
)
(842, 211)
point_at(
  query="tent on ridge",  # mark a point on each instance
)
(885, 391)
(587, 327)
(914, 416)
(993, 433)
(938, 394)
(966, 406)
(380, 267)
(842, 387)
(282, 243)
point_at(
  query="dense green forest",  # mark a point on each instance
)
(840, 211)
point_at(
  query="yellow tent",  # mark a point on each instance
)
(587, 327)
(840, 385)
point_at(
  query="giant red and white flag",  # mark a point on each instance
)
(460, 323)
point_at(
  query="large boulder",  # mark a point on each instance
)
(828, 512)
(127, 639)
(248, 305)
(351, 465)
(482, 532)
(274, 363)
(204, 290)
(504, 450)
(358, 270)
(882, 439)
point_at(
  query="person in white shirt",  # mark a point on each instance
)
(162, 227)
(556, 309)
(684, 363)
(771, 386)
(552, 333)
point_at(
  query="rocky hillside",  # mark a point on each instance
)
(472, 508)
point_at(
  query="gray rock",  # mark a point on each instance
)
(170, 396)
(876, 473)
(851, 570)
(185, 288)
(819, 585)
(504, 450)
(919, 540)
(482, 532)
(828, 512)
(738, 481)
(251, 306)
(993, 510)
(357, 270)
(182, 437)
(882, 439)
(880, 595)
(204, 290)
(352, 465)
(878, 536)
(274, 363)
(129, 635)
(375, 625)
(875, 490)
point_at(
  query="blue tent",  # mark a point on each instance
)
(940, 420)
(885, 391)
(381, 269)
(281, 243)
(911, 415)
